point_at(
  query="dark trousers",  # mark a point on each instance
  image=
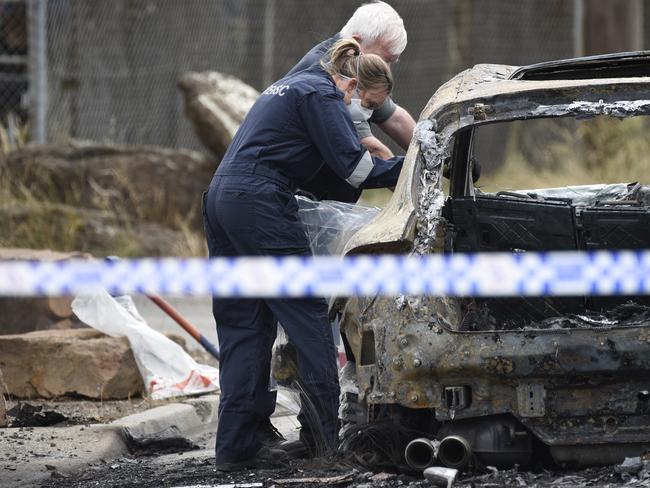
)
(251, 215)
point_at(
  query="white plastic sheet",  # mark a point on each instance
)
(330, 224)
(166, 369)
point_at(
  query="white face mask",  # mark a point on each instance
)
(359, 112)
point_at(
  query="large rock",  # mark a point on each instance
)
(55, 363)
(3, 403)
(19, 253)
(27, 314)
(216, 104)
(142, 183)
(106, 200)
(100, 232)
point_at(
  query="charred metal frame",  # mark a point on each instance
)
(571, 388)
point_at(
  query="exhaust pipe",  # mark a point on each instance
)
(421, 453)
(455, 452)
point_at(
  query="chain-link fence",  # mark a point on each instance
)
(14, 76)
(107, 70)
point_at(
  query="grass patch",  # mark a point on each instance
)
(553, 153)
(47, 207)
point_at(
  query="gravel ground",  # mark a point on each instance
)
(193, 465)
(196, 468)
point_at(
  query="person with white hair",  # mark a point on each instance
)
(379, 29)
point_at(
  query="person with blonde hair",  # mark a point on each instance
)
(297, 125)
(379, 30)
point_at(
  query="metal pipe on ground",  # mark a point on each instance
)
(421, 453)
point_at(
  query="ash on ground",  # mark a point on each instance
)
(191, 470)
(45, 413)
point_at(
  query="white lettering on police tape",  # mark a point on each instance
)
(278, 90)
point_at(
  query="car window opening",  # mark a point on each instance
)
(552, 185)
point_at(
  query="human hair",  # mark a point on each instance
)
(344, 58)
(375, 21)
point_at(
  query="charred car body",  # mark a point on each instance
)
(499, 380)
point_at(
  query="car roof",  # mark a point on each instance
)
(615, 65)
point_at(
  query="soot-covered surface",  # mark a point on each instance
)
(479, 318)
(195, 471)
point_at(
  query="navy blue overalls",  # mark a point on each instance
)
(296, 124)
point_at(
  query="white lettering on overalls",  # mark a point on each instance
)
(278, 90)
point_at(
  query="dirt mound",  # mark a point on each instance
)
(103, 199)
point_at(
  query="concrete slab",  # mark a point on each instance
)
(31, 455)
(169, 424)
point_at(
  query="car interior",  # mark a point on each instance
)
(516, 220)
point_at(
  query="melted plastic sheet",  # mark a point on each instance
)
(331, 224)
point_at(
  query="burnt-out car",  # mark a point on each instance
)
(504, 381)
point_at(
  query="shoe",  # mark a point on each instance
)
(296, 449)
(264, 458)
(269, 435)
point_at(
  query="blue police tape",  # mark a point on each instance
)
(494, 274)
